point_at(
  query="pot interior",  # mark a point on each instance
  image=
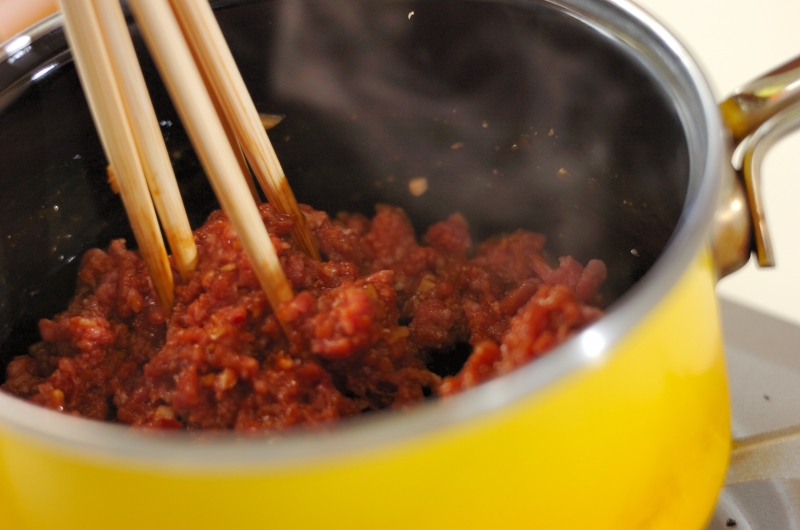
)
(517, 115)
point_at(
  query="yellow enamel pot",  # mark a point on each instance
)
(625, 426)
(632, 436)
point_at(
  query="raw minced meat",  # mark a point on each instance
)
(366, 325)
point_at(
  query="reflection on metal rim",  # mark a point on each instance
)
(32, 34)
(683, 81)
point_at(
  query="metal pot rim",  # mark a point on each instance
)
(634, 29)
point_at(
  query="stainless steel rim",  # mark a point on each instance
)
(669, 60)
(18, 42)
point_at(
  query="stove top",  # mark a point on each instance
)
(763, 355)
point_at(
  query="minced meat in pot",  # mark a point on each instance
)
(368, 326)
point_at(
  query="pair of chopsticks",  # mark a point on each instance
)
(219, 116)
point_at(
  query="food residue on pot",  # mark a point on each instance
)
(418, 186)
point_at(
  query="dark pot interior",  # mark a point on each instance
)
(518, 116)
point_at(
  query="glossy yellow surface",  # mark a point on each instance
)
(638, 442)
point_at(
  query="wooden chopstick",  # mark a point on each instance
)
(237, 150)
(102, 91)
(173, 58)
(147, 134)
(204, 36)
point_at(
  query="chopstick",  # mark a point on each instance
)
(103, 94)
(172, 56)
(206, 40)
(147, 134)
(123, 112)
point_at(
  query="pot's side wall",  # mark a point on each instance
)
(637, 441)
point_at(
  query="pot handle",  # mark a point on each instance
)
(758, 115)
(757, 101)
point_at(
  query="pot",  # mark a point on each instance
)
(584, 120)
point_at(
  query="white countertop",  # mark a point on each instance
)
(735, 41)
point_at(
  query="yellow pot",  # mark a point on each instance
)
(625, 426)
(636, 436)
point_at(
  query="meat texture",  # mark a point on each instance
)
(366, 325)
